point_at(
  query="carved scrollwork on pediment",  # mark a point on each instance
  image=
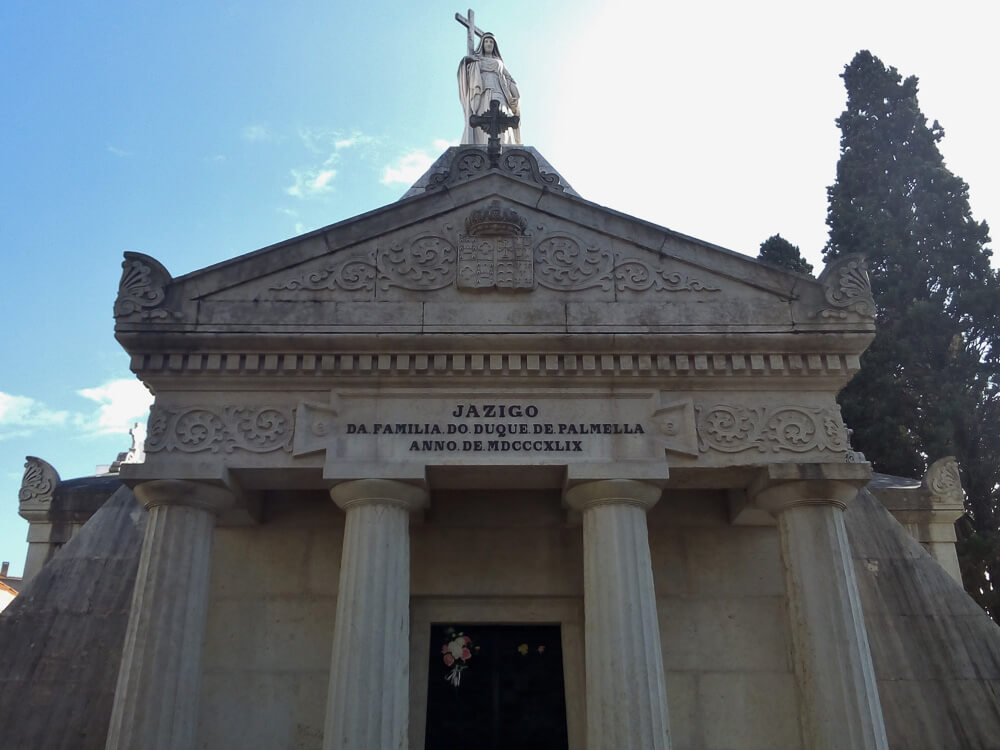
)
(638, 276)
(564, 263)
(847, 289)
(350, 274)
(472, 162)
(797, 429)
(523, 165)
(142, 289)
(39, 481)
(423, 263)
(220, 429)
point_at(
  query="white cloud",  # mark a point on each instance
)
(121, 403)
(355, 139)
(324, 140)
(255, 133)
(216, 158)
(308, 183)
(321, 181)
(118, 151)
(21, 415)
(411, 166)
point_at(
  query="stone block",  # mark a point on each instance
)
(259, 561)
(281, 634)
(682, 703)
(498, 316)
(521, 561)
(670, 576)
(737, 561)
(724, 634)
(262, 710)
(323, 564)
(749, 711)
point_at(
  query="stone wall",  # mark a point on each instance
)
(499, 556)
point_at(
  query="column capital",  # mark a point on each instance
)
(359, 492)
(210, 497)
(613, 492)
(782, 486)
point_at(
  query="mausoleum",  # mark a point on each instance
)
(495, 466)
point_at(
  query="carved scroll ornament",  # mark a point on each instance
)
(350, 274)
(39, 481)
(472, 162)
(944, 482)
(225, 429)
(564, 263)
(797, 429)
(847, 288)
(423, 263)
(142, 289)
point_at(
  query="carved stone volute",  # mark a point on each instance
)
(39, 481)
(142, 289)
(847, 289)
(944, 482)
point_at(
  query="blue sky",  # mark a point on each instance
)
(198, 131)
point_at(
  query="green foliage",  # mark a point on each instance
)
(779, 251)
(928, 384)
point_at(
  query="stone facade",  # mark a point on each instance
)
(637, 433)
(495, 402)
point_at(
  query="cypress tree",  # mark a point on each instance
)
(779, 251)
(928, 384)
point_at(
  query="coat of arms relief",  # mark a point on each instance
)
(495, 252)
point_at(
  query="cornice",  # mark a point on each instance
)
(581, 365)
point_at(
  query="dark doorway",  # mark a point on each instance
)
(496, 687)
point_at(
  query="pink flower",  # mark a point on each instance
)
(541, 649)
(449, 660)
(466, 654)
(444, 649)
(467, 639)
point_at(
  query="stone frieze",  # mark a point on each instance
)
(797, 429)
(220, 429)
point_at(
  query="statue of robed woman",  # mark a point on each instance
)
(483, 77)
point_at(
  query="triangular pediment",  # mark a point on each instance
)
(492, 251)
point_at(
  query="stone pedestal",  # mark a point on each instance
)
(159, 682)
(833, 664)
(368, 700)
(626, 689)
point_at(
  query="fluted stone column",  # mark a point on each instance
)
(833, 664)
(159, 681)
(368, 703)
(626, 688)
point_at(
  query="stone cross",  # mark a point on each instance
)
(494, 122)
(473, 30)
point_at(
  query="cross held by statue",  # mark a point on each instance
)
(494, 122)
(473, 31)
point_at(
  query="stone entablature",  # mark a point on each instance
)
(725, 364)
(316, 436)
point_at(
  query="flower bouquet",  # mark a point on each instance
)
(457, 652)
